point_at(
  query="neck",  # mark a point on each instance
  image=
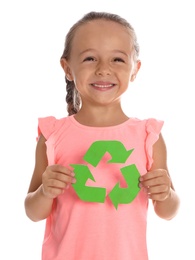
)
(101, 116)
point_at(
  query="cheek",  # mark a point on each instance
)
(83, 74)
(125, 75)
(80, 71)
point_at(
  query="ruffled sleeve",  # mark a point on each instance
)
(46, 126)
(153, 129)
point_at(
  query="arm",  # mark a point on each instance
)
(157, 183)
(46, 184)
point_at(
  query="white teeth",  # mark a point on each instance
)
(102, 86)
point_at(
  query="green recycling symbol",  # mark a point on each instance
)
(97, 194)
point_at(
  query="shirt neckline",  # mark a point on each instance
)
(75, 122)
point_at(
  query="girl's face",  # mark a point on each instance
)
(101, 62)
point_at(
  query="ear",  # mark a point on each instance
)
(65, 66)
(136, 69)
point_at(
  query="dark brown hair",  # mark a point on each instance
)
(72, 96)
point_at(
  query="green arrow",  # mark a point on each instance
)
(126, 195)
(86, 193)
(115, 148)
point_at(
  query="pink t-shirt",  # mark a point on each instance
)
(92, 220)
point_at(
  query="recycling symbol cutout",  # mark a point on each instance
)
(93, 156)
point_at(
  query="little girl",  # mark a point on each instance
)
(96, 168)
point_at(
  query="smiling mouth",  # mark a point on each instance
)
(105, 86)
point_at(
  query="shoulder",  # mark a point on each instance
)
(48, 125)
(148, 122)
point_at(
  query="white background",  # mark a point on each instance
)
(32, 85)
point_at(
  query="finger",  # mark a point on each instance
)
(53, 183)
(153, 174)
(158, 189)
(155, 182)
(53, 187)
(63, 177)
(61, 169)
(159, 196)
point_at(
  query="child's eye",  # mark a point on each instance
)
(89, 59)
(118, 60)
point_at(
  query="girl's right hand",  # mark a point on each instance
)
(55, 179)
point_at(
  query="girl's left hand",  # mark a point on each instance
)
(157, 184)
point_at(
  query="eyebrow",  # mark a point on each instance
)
(90, 49)
(114, 51)
(122, 52)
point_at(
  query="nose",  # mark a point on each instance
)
(103, 69)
